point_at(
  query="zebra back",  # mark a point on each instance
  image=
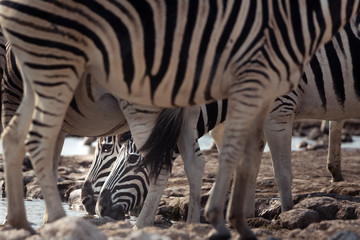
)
(330, 86)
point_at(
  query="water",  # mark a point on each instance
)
(35, 211)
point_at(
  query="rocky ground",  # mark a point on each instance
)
(323, 210)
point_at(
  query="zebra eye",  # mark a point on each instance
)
(124, 137)
(106, 148)
(133, 158)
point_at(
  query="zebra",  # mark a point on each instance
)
(328, 90)
(12, 94)
(106, 152)
(246, 51)
(286, 106)
(78, 114)
(115, 189)
(12, 91)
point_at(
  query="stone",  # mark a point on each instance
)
(75, 200)
(347, 211)
(272, 211)
(141, 235)
(9, 233)
(71, 228)
(298, 218)
(345, 235)
(327, 207)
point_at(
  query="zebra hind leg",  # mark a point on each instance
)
(51, 104)
(14, 136)
(278, 132)
(58, 147)
(236, 154)
(243, 189)
(334, 153)
(194, 162)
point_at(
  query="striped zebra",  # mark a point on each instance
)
(12, 95)
(330, 90)
(106, 153)
(333, 65)
(78, 116)
(119, 196)
(90, 113)
(164, 54)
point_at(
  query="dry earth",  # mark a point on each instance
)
(323, 210)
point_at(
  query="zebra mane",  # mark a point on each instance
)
(162, 141)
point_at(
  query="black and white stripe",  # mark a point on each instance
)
(164, 54)
(118, 197)
(329, 90)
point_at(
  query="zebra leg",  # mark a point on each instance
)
(242, 199)
(217, 134)
(151, 203)
(14, 135)
(44, 130)
(240, 119)
(258, 141)
(334, 153)
(278, 133)
(141, 120)
(194, 162)
(58, 147)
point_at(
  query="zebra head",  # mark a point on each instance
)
(126, 186)
(106, 152)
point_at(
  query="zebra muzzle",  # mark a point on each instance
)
(105, 207)
(88, 198)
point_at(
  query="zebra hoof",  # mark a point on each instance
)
(215, 235)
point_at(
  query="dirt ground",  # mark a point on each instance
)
(310, 179)
(336, 205)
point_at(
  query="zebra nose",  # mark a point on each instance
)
(87, 198)
(105, 207)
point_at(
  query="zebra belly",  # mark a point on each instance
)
(94, 112)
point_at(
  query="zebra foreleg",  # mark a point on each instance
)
(14, 135)
(278, 133)
(151, 203)
(334, 153)
(194, 162)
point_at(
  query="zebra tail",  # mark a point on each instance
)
(162, 142)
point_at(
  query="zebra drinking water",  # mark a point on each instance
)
(127, 166)
(247, 51)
